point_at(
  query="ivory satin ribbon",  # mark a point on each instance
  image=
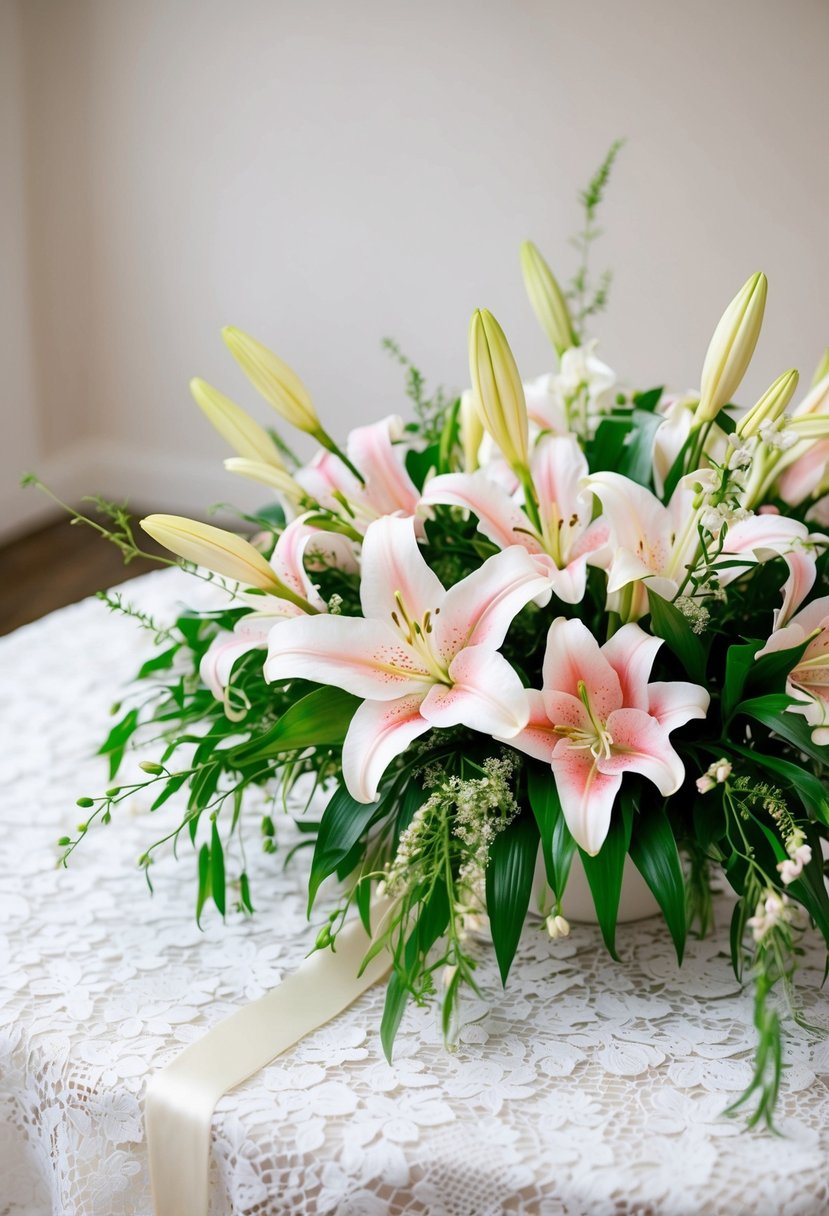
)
(181, 1098)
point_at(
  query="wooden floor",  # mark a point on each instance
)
(57, 565)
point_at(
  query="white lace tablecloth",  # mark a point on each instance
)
(587, 1087)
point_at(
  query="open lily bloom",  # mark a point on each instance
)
(650, 544)
(808, 682)
(597, 717)
(420, 656)
(576, 398)
(299, 543)
(387, 487)
(566, 539)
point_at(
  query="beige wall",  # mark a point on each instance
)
(325, 173)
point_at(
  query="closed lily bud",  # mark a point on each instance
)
(267, 475)
(771, 405)
(730, 349)
(822, 369)
(217, 550)
(471, 429)
(497, 388)
(547, 299)
(278, 383)
(235, 425)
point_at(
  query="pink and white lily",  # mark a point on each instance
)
(387, 488)
(597, 717)
(650, 544)
(420, 656)
(299, 543)
(653, 546)
(566, 539)
(808, 682)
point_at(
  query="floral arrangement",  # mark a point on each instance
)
(543, 619)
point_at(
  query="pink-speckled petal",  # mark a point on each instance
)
(573, 656)
(392, 565)
(641, 745)
(631, 652)
(379, 731)
(480, 609)
(587, 794)
(363, 657)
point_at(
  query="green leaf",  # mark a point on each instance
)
(668, 623)
(418, 464)
(170, 787)
(771, 711)
(204, 882)
(605, 450)
(431, 924)
(159, 662)
(769, 673)
(343, 822)
(637, 459)
(604, 871)
(509, 880)
(217, 869)
(319, 719)
(244, 893)
(649, 399)
(397, 997)
(738, 928)
(655, 855)
(810, 789)
(738, 663)
(116, 741)
(557, 845)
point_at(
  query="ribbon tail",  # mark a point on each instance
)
(181, 1098)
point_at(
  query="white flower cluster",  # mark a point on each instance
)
(716, 774)
(695, 613)
(772, 910)
(800, 854)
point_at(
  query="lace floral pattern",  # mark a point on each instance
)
(585, 1087)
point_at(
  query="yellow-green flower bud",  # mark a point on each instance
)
(547, 299)
(730, 350)
(471, 430)
(235, 425)
(222, 552)
(267, 475)
(497, 388)
(279, 384)
(770, 406)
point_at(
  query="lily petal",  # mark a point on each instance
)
(486, 695)
(366, 658)
(481, 608)
(641, 745)
(499, 518)
(587, 794)
(631, 652)
(379, 731)
(637, 514)
(572, 657)
(539, 737)
(675, 702)
(387, 484)
(802, 575)
(393, 566)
